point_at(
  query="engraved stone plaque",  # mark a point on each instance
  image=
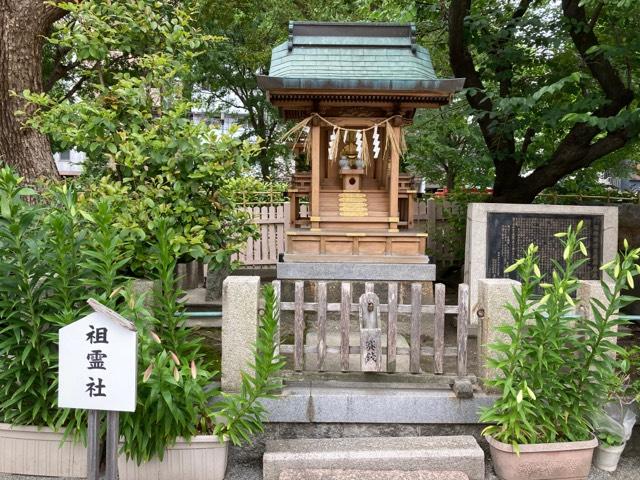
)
(499, 233)
(509, 235)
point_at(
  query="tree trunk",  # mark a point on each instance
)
(23, 26)
(265, 167)
(580, 147)
(451, 179)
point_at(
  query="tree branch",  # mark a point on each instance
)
(59, 72)
(50, 15)
(500, 143)
(600, 67)
(528, 139)
(595, 16)
(505, 67)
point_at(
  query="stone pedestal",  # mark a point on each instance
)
(493, 295)
(240, 302)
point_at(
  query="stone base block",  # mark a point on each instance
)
(404, 454)
(370, 475)
(332, 360)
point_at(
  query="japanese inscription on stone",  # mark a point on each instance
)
(97, 367)
(509, 235)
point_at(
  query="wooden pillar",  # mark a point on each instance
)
(393, 184)
(315, 177)
(411, 199)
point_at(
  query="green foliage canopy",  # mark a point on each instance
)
(142, 148)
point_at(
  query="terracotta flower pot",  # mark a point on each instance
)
(607, 457)
(543, 461)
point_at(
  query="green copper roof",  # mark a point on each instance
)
(359, 51)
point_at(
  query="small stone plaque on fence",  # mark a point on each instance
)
(370, 333)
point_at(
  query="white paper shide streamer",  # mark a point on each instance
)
(376, 142)
(333, 144)
(359, 143)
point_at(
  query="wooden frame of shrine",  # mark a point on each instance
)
(352, 87)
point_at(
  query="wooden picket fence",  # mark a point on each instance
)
(272, 222)
(445, 242)
(346, 307)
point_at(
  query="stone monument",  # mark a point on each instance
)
(499, 233)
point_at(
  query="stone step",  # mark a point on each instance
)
(322, 474)
(382, 454)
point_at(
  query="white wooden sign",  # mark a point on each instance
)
(98, 362)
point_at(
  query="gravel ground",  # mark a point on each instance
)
(628, 468)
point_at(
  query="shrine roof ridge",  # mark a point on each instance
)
(438, 86)
(336, 54)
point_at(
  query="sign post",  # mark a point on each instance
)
(98, 371)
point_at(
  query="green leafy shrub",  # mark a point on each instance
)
(452, 232)
(52, 259)
(143, 151)
(174, 388)
(247, 190)
(555, 369)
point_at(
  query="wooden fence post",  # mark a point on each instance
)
(345, 324)
(298, 354)
(438, 330)
(416, 317)
(392, 327)
(322, 324)
(462, 327)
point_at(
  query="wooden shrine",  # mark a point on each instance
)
(352, 87)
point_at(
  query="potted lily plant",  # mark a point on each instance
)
(192, 422)
(53, 256)
(614, 423)
(554, 365)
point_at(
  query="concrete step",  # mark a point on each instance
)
(315, 474)
(382, 454)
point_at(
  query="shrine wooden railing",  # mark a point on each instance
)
(303, 353)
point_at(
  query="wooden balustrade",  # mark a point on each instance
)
(416, 311)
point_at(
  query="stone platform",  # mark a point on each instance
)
(395, 454)
(370, 475)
